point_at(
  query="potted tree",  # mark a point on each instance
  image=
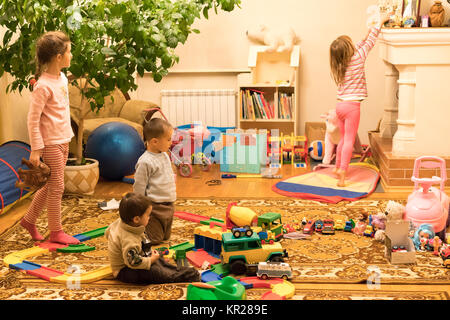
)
(111, 42)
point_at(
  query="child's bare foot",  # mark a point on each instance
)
(62, 237)
(335, 171)
(341, 176)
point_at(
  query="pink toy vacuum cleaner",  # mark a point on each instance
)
(427, 204)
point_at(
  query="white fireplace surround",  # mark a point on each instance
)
(417, 90)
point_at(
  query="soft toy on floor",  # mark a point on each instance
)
(394, 211)
(280, 39)
(332, 137)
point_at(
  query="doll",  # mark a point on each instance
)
(422, 235)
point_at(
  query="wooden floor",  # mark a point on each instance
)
(240, 188)
(196, 187)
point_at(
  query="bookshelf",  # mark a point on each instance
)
(268, 96)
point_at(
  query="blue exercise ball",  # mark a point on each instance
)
(117, 147)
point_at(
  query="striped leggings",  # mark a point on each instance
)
(50, 195)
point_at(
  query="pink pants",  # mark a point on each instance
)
(50, 195)
(348, 113)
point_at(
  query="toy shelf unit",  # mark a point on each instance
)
(267, 97)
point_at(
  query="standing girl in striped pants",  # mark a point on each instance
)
(50, 132)
(347, 69)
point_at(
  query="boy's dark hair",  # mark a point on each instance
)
(133, 205)
(155, 128)
(48, 46)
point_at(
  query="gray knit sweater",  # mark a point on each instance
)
(155, 178)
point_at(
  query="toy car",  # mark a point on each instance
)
(309, 227)
(274, 269)
(399, 249)
(348, 226)
(445, 255)
(239, 232)
(318, 226)
(369, 232)
(339, 224)
(328, 227)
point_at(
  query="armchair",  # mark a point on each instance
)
(118, 107)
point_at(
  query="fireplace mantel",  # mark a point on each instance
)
(417, 90)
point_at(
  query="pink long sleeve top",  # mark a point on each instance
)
(354, 86)
(49, 114)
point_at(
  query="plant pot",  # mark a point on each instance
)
(81, 179)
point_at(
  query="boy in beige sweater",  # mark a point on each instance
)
(130, 262)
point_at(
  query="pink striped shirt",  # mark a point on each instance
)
(354, 86)
(49, 114)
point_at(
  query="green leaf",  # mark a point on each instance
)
(108, 51)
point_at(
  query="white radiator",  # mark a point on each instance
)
(212, 107)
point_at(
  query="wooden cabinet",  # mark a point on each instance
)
(268, 96)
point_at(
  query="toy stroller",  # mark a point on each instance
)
(184, 164)
(429, 204)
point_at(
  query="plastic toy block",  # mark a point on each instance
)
(75, 248)
(51, 246)
(285, 289)
(81, 237)
(95, 233)
(30, 252)
(25, 265)
(11, 259)
(246, 285)
(190, 216)
(259, 283)
(183, 246)
(271, 296)
(221, 269)
(207, 222)
(86, 277)
(44, 273)
(209, 275)
(206, 231)
(197, 258)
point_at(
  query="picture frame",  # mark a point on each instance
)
(414, 9)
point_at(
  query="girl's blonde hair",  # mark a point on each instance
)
(341, 52)
(48, 46)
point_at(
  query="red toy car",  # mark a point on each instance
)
(328, 227)
(309, 227)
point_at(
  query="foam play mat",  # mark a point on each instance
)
(321, 185)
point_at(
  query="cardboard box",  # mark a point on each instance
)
(397, 235)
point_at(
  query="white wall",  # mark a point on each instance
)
(213, 58)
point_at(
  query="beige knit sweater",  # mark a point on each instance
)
(125, 247)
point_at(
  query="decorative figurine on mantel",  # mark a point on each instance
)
(394, 6)
(437, 14)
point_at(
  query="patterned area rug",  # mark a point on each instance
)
(343, 258)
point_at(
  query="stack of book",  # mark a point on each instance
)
(285, 103)
(254, 105)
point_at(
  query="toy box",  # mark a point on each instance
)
(397, 235)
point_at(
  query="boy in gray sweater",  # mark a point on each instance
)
(154, 178)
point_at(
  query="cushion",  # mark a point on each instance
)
(92, 124)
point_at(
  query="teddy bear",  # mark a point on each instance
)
(34, 178)
(332, 137)
(394, 211)
(279, 39)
